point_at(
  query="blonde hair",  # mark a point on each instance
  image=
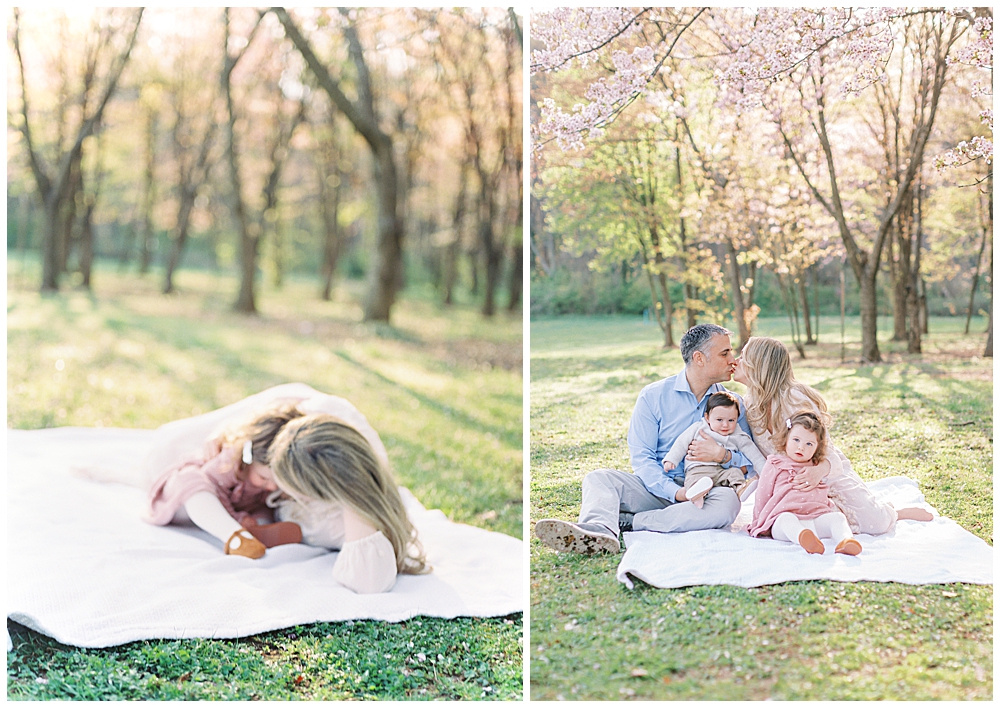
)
(319, 456)
(770, 384)
(811, 422)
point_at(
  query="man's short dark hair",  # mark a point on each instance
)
(696, 338)
(722, 399)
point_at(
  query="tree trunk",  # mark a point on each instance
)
(472, 255)
(450, 255)
(988, 350)
(54, 189)
(975, 281)
(389, 250)
(179, 240)
(87, 243)
(331, 240)
(736, 285)
(68, 216)
(361, 113)
(451, 251)
(923, 307)
(869, 317)
(493, 255)
(902, 276)
(249, 233)
(690, 291)
(668, 312)
(516, 276)
(914, 331)
(148, 194)
(543, 247)
(815, 278)
(789, 294)
(806, 314)
(50, 245)
(128, 232)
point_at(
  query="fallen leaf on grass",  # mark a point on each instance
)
(947, 593)
(185, 676)
(638, 673)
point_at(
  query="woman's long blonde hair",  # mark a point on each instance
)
(260, 431)
(770, 383)
(319, 456)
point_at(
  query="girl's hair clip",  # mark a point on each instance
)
(788, 424)
(248, 452)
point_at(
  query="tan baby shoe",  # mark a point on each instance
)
(242, 543)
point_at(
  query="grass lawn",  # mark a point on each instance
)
(442, 386)
(928, 417)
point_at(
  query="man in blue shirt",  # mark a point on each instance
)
(656, 498)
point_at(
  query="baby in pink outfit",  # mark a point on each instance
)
(797, 515)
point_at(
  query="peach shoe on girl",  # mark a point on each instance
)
(849, 547)
(810, 541)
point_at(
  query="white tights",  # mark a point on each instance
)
(208, 514)
(788, 526)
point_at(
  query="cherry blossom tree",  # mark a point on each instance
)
(979, 54)
(806, 67)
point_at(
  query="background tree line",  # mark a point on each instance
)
(383, 144)
(731, 163)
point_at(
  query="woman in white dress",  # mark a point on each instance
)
(773, 395)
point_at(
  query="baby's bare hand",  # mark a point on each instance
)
(668, 465)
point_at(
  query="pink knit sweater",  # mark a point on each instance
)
(775, 495)
(218, 474)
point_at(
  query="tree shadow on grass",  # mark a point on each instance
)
(508, 436)
(960, 402)
(546, 368)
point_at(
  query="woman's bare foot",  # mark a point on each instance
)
(914, 513)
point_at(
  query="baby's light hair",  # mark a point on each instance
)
(261, 431)
(811, 422)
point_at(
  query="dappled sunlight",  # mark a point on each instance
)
(134, 358)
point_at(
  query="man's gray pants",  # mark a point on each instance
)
(608, 492)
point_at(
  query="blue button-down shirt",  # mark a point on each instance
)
(663, 411)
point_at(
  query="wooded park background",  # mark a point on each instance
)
(702, 164)
(384, 144)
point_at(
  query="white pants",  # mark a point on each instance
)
(833, 525)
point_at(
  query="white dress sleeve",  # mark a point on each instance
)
(367, 565)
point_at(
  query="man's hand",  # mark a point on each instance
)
(668, 465)
(809, 478)
(704, 449)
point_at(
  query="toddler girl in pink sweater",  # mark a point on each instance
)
(788, 513)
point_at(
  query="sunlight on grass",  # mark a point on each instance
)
(442, 386)
(928, 417)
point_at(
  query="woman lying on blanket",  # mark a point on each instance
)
(774, 395)
(798, 515)
(290, 453)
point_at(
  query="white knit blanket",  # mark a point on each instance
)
(916, 553)
(82, 566)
